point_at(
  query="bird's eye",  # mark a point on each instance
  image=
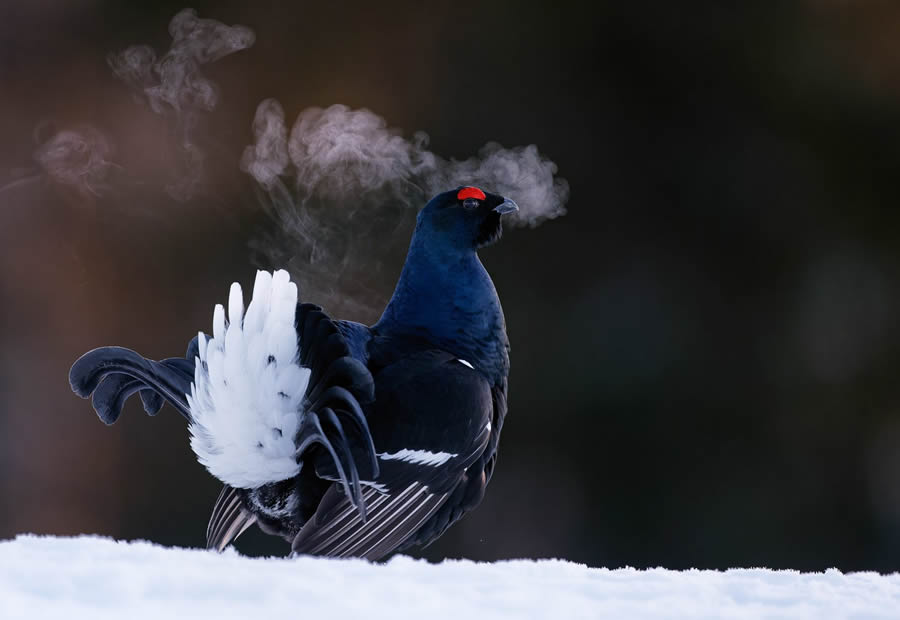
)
(470, 203)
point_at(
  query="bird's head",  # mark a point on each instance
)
(466, 218)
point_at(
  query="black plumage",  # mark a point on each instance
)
(400, 421)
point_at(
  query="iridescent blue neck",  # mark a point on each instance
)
(446, 296)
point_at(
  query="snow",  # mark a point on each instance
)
(90, 577)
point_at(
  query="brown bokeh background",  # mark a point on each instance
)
(706, 349)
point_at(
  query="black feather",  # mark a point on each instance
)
(130, 373)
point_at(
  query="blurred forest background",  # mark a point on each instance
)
(706, 349)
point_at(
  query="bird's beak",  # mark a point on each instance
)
(507, 206)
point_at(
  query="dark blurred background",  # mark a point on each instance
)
(706, 349)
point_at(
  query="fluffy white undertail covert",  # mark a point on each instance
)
(247, 396)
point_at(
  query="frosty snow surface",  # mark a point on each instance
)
(90, 577)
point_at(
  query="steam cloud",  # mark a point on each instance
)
(343, 188)
(337, 153)
(173, 84)
(341, 185)
(77, 157)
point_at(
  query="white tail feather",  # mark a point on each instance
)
(247, 395)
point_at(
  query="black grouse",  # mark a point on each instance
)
(345, 440)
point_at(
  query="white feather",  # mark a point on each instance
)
(246, 398)
(381, 488)
(418, 457)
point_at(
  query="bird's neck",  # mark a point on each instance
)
(447, 298)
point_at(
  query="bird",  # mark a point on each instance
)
(345, 440)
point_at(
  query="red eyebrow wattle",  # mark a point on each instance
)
(470, 192)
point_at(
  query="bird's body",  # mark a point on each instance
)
(346, 440)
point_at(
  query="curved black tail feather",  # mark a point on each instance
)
(334, 425)
(110, 375)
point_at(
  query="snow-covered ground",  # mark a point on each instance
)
(89, 577)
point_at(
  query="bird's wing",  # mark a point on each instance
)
(406, 496)
(337, 531)
(498, 398)
(470, 490)
(431, 421)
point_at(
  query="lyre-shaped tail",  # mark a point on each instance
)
(110, 375)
